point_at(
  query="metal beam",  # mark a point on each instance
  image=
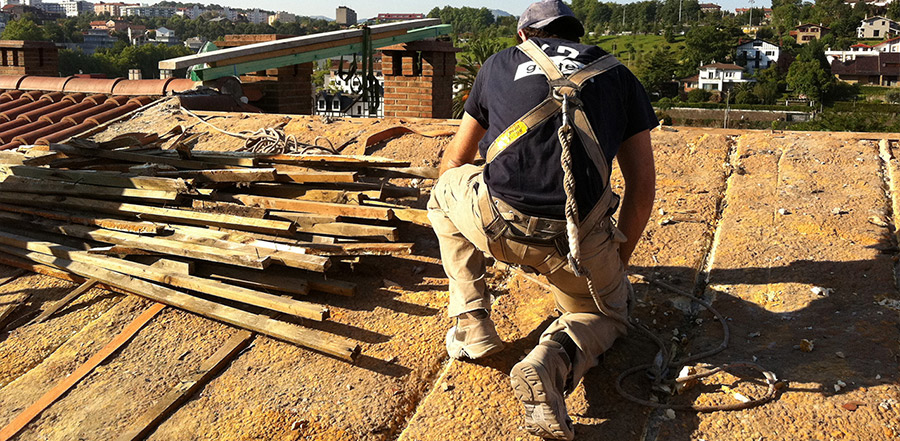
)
(223, 55)
(210, 73)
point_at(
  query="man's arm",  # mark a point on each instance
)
(635, 159)
(464, 146)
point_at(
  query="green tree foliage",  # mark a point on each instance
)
(23, 29)
(657, 70)
(465, 20)
(769, 85)
(807, 77)
(698, 96)
(116, 61)
(707, 43)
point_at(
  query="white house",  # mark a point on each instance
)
(721, 76)
(757, 54)
(857, 50)
(889, 46)
(258, 17)
(877, 27)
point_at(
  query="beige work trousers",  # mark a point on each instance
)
(457, 220)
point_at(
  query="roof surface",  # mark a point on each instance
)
(722, 66)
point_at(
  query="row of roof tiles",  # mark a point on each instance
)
(109, 86)
(35, 117)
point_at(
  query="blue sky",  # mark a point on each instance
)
(369, 8)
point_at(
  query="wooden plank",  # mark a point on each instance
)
(186, 387)
(223, 158)
(151, 213)
(30, 185)
(339, 347)
(224, 175)
(295, 191)
(222, 56)
(35, 409)
(302, 206)
(306, 175)
(343, 229)
(139, 158)
(174, 266)
(56, 306)
(43, 270)
(270, 280)
(334, 160)
(87, 219)
(228, 208)
(157, 244)
(106, 179)
(10, 304)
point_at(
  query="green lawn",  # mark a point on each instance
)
(630, 49)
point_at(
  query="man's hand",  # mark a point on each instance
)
(464, 146)
(635, 159)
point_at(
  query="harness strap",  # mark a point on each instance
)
(551, 71)
(544, 111)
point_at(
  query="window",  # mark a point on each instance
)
(875, 32)
(757, 44)
(770, 53)
(321, 104)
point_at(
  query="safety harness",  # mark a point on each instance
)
(564, 98)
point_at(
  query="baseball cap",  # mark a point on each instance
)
(542, 13)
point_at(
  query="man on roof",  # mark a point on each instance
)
(548, 116)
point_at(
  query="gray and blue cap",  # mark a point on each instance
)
(542, 13)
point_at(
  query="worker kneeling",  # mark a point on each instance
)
(548, 117)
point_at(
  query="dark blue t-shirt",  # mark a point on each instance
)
(528, 174)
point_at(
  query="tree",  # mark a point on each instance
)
(807, 77)
(707, 43)
(23, 29)
(475, 54)
(657, 70)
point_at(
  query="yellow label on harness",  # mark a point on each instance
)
(511, 134)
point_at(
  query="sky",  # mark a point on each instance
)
(370, 8)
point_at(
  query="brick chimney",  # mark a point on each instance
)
(285, 89)
(418, 79)
(19, 57)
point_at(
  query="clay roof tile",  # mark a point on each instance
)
(36, 114)
(58, 115)
(91, 85)
(45, 131)
(10, 135)
(64, 134)
(13, 113)
(50, 84)
(11, 81)
(142, 87)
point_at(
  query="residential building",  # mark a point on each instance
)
(113, 9)
(398, 17)
(257, 17)
(75, 8)
(882, 69)
(229, 14)
(53, 8)
(192, 13)
(805, 33)
(148, 11)
(165, 36)
(757, 54)
(282, 17)
(345, 16)
(16, 11)
(857, 50)
(690, 83)
(342, 104)
(720, 76)
(890, 46)
(877, 27)
(710, 7)
(95, 39)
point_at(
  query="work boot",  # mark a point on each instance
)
(539, 382)
(474, 336)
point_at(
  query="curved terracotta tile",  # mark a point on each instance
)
(10, 135)
(62, 135)
(91, 85)
(33, 95)
(50, 84)
(53, 96)
(14, 104)
(10, 146)
(141, 101)
(78, 118)
(98, 98)
(36, 114)
(74, 97)
(57, 116)
(10, 95)
(142, 87)
(113, 113)
(9, 125)
(11, 81)
(44, 132)
(12, 114)
(119, 100)
(180, 85)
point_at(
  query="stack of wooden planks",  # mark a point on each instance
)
(232, 236)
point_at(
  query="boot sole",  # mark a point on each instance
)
(545, 408)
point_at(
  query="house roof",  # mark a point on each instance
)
(43, 110)
(722, 66)
(690, 79)
(811, 24)
(874, 65)
(743, 42)
(861, 45)
(709, 6)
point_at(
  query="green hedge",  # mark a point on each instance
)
(866, 107)
(742, 107)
